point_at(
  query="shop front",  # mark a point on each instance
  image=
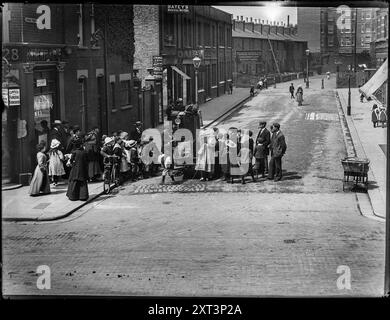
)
(39, 72)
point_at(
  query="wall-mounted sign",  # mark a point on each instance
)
(189, 53)
(41, 83)
(178, 8)
(5, 97)
(248, 55)
(42, 102)
(14, 97)
(30, 20)
(157, 67)
(20, 53)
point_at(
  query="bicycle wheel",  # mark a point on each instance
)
(107, 185)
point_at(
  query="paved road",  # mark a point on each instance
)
(262, 238)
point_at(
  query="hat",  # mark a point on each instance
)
(54, 144)
(108, 140)
(138, 122)
(57, 122)
(231, 144)
(132, 143)
(276, 125)
(179, 100)
(123, 135)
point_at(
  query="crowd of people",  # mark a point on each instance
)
(233, 154)
(378, 116)
(64, 152)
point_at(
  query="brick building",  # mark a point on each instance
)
(173, 35)
(380, 39)
(53, 55)
(261, 49)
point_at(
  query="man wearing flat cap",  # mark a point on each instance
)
(262, 145)
(278, 148)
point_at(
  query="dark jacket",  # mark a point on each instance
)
(136, 135)
(79, 163)
(264, 138)
(278, 145)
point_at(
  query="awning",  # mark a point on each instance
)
(376, 81)
(181, 73)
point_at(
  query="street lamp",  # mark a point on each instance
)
(307, 68)
(349, 95)
(196, 61)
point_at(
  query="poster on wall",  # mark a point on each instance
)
(14, 97)
(42, 106)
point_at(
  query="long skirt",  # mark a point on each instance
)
(94, 168)
(77, 190)
(40, 183)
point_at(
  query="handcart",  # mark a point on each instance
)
(356, 171)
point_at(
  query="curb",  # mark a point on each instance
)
(351, 151)
(12, 187)
(228, 112)
(53, 218)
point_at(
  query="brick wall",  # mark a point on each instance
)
(146, 37)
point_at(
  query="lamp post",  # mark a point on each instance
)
(349, 96)
(196, 61)
(307, 67)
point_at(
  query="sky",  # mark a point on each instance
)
(269, 12)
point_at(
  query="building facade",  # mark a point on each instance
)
(167, 38)
(57, 56)
(380, 39)
(261, 49)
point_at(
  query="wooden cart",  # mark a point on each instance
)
(355, 171)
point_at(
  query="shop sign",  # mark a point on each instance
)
(20, 53)
(178, 8)
(42, 103)
(189, 53)
(41, 82)
(14, 97)
(5, 97)
(157, 67)
(248, 55)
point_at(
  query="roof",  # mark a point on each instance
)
(272, 36)
(376, 81)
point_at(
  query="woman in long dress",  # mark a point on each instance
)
(40, 183)
(299, 95)
(56, 167)
(78, 177)
(92, 149)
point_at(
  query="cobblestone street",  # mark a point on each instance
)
(197, 238)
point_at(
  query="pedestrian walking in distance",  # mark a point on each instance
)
(231, 87)
(56, 167)
(40, 183)
(292, 91)
(375, 115)
(278, 149)
(78, 177)
(299, 95)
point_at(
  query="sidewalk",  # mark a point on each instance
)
(18, 205)
(368, 142)
(218, 106)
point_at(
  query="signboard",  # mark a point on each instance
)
(41, 82)
(5, 97)
(189, 53)
(14, 97)
(157, 67)
(248, 55)
(20, 53)
(42, 104)
(178, 8)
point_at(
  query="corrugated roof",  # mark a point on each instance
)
(272, 36)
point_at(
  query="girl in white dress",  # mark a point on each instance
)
(56, 166)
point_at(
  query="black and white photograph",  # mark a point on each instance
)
(195, 150)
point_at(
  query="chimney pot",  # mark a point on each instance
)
(251, 19)
(242, 18)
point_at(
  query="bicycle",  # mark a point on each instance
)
(113, 176)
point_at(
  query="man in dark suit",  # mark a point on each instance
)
(278, 149)
(136, 133)
(264, 139)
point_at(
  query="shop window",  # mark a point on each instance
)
(125, 92)
(214, 75)
(169, 29)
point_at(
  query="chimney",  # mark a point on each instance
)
(251, 19)
(239, 25)
(288, 20)
(238, 17)
(258, 27)
(262, 21)
(242, 18)
(246, 19)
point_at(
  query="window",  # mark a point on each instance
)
(330, 28)
(214, 75)
(330, 41)
(213, 38)
(207, 34)
(125, 93)
(169, 29)
(112, 93)
(81, 34)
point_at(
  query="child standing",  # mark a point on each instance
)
(166, 163)
(56, 167)
(40, 183)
